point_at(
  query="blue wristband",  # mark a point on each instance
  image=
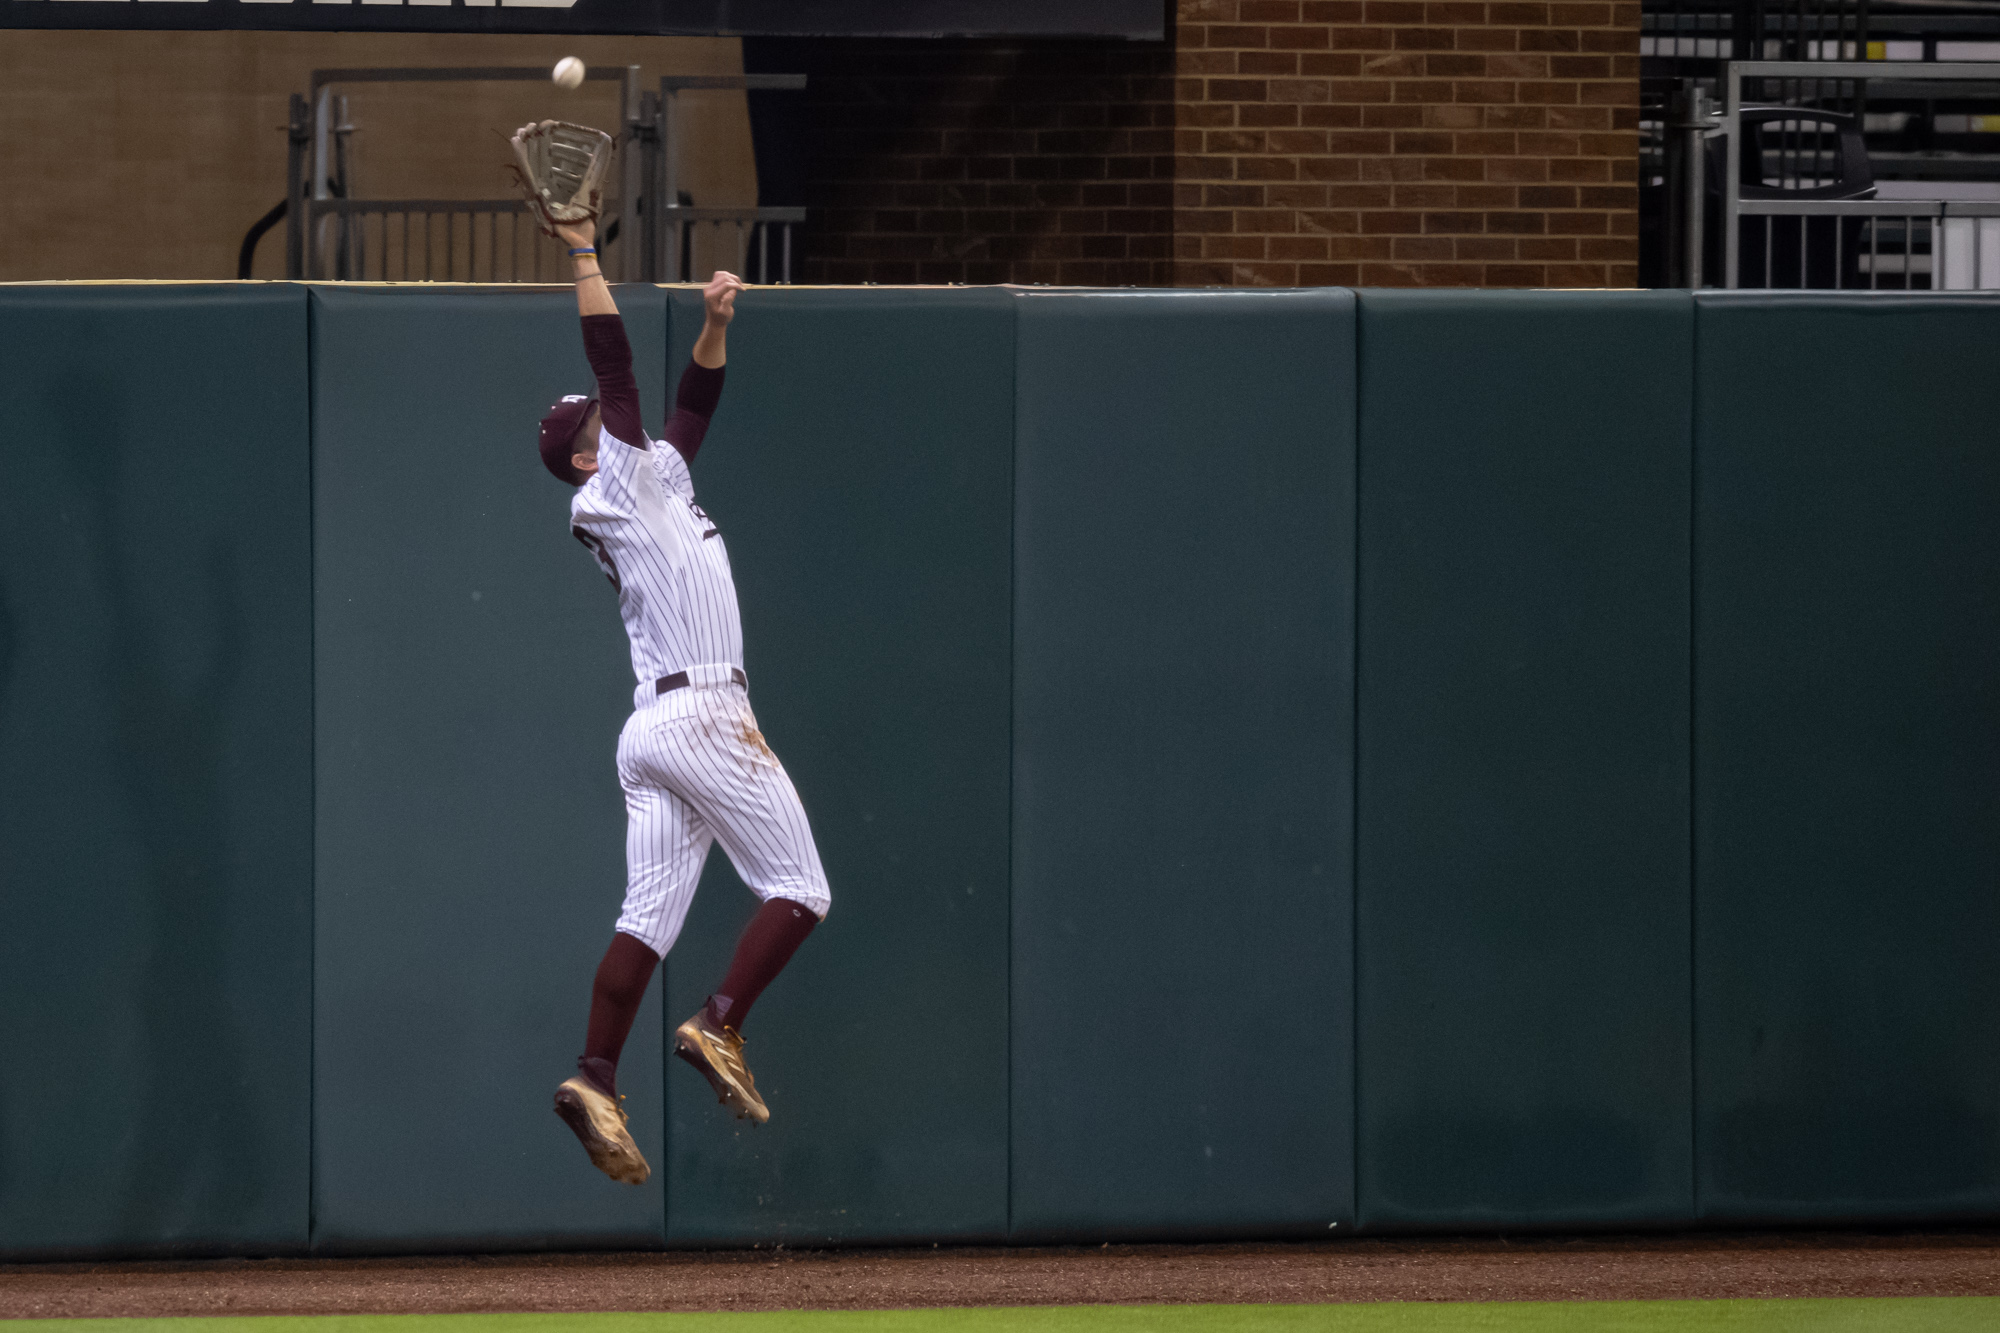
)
(582, 250)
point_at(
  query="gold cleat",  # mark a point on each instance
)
(718, 1054)
(599, 1123)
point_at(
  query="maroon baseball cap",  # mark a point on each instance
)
(559, 430)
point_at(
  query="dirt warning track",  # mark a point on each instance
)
(1415, 1269)
(1583, 1268)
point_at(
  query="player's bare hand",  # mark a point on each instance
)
(576, 234)
(720, 296)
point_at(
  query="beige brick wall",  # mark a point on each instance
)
(148, 154)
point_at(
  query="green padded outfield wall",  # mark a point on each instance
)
(472, 680)
(859, 464)
(1183, 548)
(1847, 758)
(1657, 637)
(1522, 856)
(155, 771)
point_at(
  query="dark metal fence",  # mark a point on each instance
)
(496, 240)
(648, 231)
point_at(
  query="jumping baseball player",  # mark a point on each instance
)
(694, 766)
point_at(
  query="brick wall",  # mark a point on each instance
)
(1406, 143)
(985, 161)
(1271, 142)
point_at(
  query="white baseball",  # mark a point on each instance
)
(568, 72)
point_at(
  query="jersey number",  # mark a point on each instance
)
(603, 554)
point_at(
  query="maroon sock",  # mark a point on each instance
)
(768, 943)
(614, 1002)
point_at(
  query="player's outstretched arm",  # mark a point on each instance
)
(604, 340)
(711, 350)
(593, 292)
(701, 382)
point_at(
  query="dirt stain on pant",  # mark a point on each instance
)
(754, 738)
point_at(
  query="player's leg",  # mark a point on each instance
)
(745, 798)
(615, 996)
(665, 845)
(774, 934)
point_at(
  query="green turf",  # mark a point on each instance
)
(1945, 1314)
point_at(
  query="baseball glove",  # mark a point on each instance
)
(560, 168)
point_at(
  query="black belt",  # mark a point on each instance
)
(679, 680)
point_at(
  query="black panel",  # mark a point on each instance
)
(155, 771)
(1847, 725)
(1132, 19)
(1183, 755)
(1522, 874)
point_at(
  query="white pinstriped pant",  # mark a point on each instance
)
(696, 771)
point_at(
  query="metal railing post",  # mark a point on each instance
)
(1732, 113)
(670, 182)
(298, 134)
(343, 233)
(322, 131)
(646, 241)
(1700, 119)
(631, 245)
(1689, 120)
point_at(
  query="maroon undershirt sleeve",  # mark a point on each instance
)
(617, 391)
(700, 391)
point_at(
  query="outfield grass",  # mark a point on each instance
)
(1944, 1314)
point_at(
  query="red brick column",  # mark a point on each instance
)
(1406, 143)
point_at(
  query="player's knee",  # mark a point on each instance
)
(653, 928)
(814, 902)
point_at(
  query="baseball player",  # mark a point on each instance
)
(693, 764)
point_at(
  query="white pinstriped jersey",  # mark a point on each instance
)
(638, 516)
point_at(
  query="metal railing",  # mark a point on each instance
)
(646, 232)
(429, 240)
(496, 240)
(327, 228)
(671, 243)
(1900, 236)
(1877, 244)
(748, 228)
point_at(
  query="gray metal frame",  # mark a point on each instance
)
(1911, 210)
(670, 237)
(654, 230)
